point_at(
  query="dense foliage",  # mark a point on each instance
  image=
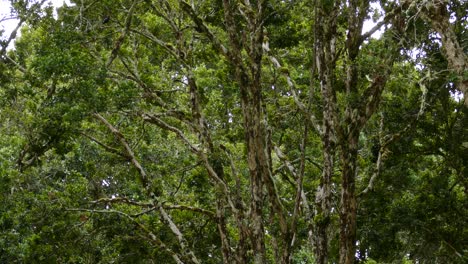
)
(166, 131)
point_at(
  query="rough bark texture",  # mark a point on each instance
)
(437, 14)
(325, 61)
(248, 78)
(348, 199)
(354, 120)
(323, 200)
(244, 27)
(342, 123)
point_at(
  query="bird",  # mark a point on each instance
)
(106, 19)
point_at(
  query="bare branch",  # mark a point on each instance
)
(121, 200)
(169, 48)
(293, 172)
(385, 141)
(286, 162)
(165, 217)
(380, 159)
(157, 121)
(125, 200)
(21, 68)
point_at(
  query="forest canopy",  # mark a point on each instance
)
(234, 131)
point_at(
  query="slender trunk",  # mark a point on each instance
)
(221, 212)
(242, 243)
(323, 195)
(241, 253)
(349, 151)
(323, 199)
(223, 231)
(354, 119)
(325, 32)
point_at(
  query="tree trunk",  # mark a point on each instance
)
(248, 77)
(438, 16)
(323, 201)
(325, 32)
(348, 199)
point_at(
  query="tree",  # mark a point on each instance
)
(229, 131)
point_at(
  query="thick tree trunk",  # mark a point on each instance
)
(248, 78)
(257, 159)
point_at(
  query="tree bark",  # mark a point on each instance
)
(438, 16)
(355, 118)
(349, 150)
(248, 77)
(325, 52)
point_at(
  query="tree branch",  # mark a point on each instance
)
(157, 121)
(202, 28)
(310, 116)
(106, 147)
(123, 35)
(12, 36)
(190, 208)
(377, 26)
(151, 235)
(175, 230)
(129, 153)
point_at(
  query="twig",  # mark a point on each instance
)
(190, 208)
(108, 148)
